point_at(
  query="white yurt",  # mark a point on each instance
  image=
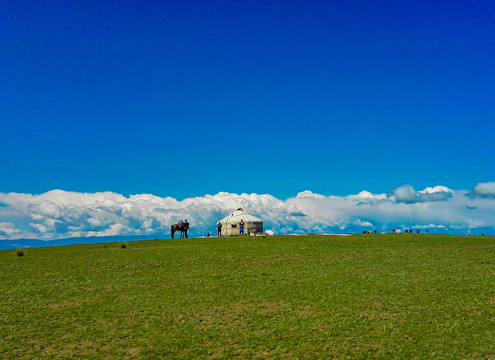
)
(230, 224)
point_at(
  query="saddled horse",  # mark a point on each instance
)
(182, 227)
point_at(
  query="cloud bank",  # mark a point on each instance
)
(60, 214)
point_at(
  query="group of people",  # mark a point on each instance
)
(184, 226)
(241, 228)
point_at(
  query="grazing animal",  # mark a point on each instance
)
(182, 227)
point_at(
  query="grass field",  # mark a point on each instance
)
(364, 296)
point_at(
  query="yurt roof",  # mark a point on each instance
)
(239, 214)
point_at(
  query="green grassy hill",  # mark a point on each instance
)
(363, 296)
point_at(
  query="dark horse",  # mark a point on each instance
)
(182, 227)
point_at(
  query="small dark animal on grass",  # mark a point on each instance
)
(182, 227)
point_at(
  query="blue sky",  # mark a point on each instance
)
(187, 98)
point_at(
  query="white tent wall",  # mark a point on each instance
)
(230, 229)
(230, 224)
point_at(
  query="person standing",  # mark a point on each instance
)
(241, 227)
(219, 229)
(185, 227)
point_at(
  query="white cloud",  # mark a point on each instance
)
(8, 230)
(485, 189)
(359, 222)
(407, 194)
(59, 214)
(436, 189)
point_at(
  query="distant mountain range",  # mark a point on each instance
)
(31, 243)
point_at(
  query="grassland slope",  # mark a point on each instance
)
(363, 296)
